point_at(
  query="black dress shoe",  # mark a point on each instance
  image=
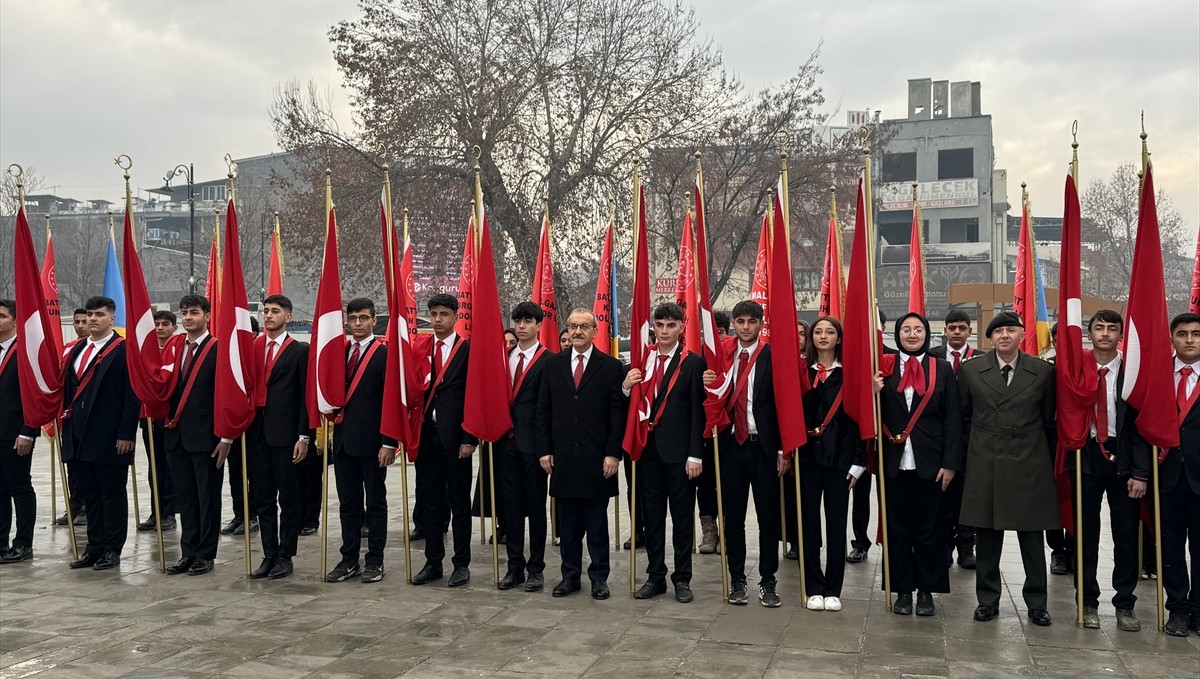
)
(17, 554)
(984, 613)
(510, 580)
(427, 575)
(903, 605)
(640, 542)
(241, 528)
(200, 567)
(856, 555)
(793, 553)
(1039, 617)
(263, 570)
(503, 538)
(416, 534)
(107, 560)
(1059, 564)
(146, 525)
(62, 520)
(650, 590)
(1177, 624)
(282, 569)
(565, 587)
(925, 607)
(459, 577)
(308, 530)
(85, 561)
(231, 527)
(683, 593)
(535, 583)
(966, 558)
(181, 566)
(600, 591)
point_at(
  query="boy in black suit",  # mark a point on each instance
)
(955, 351)
(673, 456)
(1179, 485)
(165, 325)
(16, 448)
(100, 415)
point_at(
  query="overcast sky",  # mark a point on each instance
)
(82, 81)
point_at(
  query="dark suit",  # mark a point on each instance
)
(16, 485)
(271, 438)
(861, 513)
(519, 475)
(100, 414)
(1179, 488)
(958, 534)
(578, 428)
(751, 466)
(356, 444)
(825, 461)
(663, 480)
(190, 444)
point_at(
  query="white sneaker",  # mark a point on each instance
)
(833, 603)
(816, 603)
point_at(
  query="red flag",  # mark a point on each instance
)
(708, 344)
(233, 406)
(860, 324)
(543, 287)
(916, 267)
(212, 281)
(50, 292)
(761, 276)
(1025, 284)
(833, 279)
(487, 366)
(1075, 376)
(602, 305)
(1149, 367)
(466, 282)
(685, 287)
(327, 356)
(275, 278)
(786, 364)
(142, 353)
(640, 397)
(395, 420)
(38, 364)
(1194, 305)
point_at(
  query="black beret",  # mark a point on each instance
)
(1004, 319)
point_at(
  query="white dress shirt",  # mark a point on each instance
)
(908, 461)
(1012, 365)
(1110, 396)
(749, 404)
(96, 345)
(514, 359)
(1192, 379)
(6, 347)
(278, 342)
(443, 359)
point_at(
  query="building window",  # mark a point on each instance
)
(962, 230)
(956, 164)
(900, 167)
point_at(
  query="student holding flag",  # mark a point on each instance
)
(957, 330)
(1180, 484)
(16, 448)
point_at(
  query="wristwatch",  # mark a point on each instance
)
(304, 440)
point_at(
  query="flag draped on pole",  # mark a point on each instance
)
(212, 281)
(488, 363)
(327, 356)
(1025, 283)
(275, 275)
(114, 288)
(38, 361)
(685, 286)
(237, 372)
(602, 305)
(916, 264)
(860, 330)
(833, 278)
(1043, 313)
(397, 382)
(709, 346)
(142, 353)
(50, 291)
(543, 286)
(1194, 304)
(640, 397)
(1075, 374)
(786, 364)
(466, 281)
(760, 277)
(1149, 385)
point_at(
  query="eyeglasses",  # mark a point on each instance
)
(360, 319)
(908, 332)
(580, 326)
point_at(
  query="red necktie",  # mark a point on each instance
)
(271, 346)
(83, 360)
(659, 370)
(352, 362)
(913, 377)
(957, 360)
(520, 368)
(1181, 391)
(741, 420)
(437, 360)
(189, 355)
(1102, 406)
(578, 371)
(822, 373)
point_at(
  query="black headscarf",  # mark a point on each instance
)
(924, 348)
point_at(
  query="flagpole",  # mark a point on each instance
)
(614, 345)
(637, 185)
(391, 261)
(782, 499)
(53, 471)
(327, 433)
(231, 174)
(869, 223)
(62, 468)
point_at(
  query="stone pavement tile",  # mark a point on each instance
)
(1064, 634)
(151, 673)
(281, 665)
(1150, 640)
(404, 611)
(354, 667)
(733, 631)
(486, 647)
(715, 659)
(603, 616)
(651, 647)
(139, 652)
(1077, 662)
(206, 658)
(984, 670)
(435, 669)
(465, 612)
(617, 667)
(16, 638)
(76, 670)
(791, 660)
(538, 661)
(322, 644)
(804, 632)
(1156, 665)
(257, 638)
(1005, 629)
(962, 650)
(357, 624)
(672, 627)
(432, 629)
(569, 641)
(772, 673)
(884, 665)
(529, 616)
(920, 646)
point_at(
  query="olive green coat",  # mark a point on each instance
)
(1009, 482)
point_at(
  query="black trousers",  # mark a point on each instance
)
(577, 519)
(629, 491)
(77, 506)
(789, 508)
(361, 478)
(521, 484)
(861, 515)
(444, 491)
(1180, 524)
(234, 463)
(662, 484)
(1123, 513)
(166, 487)
(747, 468)
(827, 486)
(916, 539)
(481, 499)
(102, 487)
(1060, 543)
(277, 499)
(198, 499)
(957, 534)
(990, 543)
(309, 483)
(706, 483)
(16, 492)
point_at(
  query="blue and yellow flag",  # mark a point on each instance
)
(113, 286)
(1043, 315)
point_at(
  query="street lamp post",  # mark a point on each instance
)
(189, 173)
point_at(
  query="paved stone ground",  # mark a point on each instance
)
(135, 622)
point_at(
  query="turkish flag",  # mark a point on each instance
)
(860, 330)
(327, 356)
(275, 275)
(1025, 285)
(1075, 375)
(1194, 305)
(50, 292)
(761, 276)
(142, 354)
(1149, 385)
(833, 279)
(487, 366)
(685, 287)
(395, 421)
(916, 267)
(237, 366)
(786, 363)
(466, 282)
(38, 364)
(708, 342)
(212, 281)
(602, 306)
(543, 287)
(640, 396)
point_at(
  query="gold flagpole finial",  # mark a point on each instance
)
(405, 224)
(1075, 153)
(914, 194)
(18, 173)
(1145, 150)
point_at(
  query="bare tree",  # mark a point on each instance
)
(32, 182)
